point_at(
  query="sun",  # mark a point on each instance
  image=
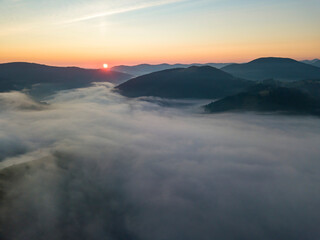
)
(105, 65)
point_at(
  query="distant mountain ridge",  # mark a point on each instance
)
(284, 69)
(193, 82)
(183, 82)
(314, 62)
(143, 69)
(22, 75)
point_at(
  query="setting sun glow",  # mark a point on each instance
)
(105, 65)
(178, 31)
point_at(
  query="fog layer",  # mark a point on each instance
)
(101, 166)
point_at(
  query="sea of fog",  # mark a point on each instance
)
(101, 166)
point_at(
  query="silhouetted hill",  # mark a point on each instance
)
(192, 82)
(268, 98)
(284, 69)
(20, 75)
(143, 69)
(311, 87)
(317, 64)
(314, 62)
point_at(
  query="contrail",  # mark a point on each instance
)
(122, 10)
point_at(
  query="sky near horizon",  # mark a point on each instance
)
(89, 33)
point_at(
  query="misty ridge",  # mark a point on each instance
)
(288, 86)
(113, 156)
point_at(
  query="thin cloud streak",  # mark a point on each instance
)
(122, 10)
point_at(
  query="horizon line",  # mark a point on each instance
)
(146, 63)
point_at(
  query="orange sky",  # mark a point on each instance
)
(90, 33)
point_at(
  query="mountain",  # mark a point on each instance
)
(284, 69)
(193, 82)
(314, 62)
(311, 87)
(143, 69)
(268, 98)
(43, 78)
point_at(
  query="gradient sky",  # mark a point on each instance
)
(89, 33)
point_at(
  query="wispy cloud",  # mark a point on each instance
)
(121, 10)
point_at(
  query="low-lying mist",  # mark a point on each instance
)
(91, 164)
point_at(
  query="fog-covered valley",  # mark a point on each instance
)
(91, 164)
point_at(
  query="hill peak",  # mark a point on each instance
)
(284, 69)
(203, 67)
(273, 60)
(193, 82)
